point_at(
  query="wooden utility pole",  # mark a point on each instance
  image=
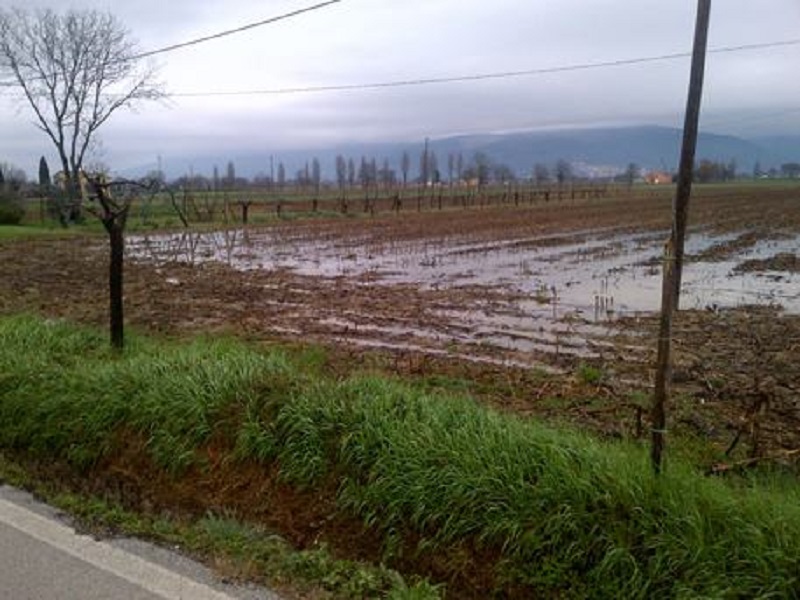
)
(673, 251)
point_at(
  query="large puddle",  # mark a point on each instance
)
(561, 290)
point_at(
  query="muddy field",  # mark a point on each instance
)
(494, 295)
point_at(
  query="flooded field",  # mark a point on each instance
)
(594, 274)
(549, 293)
(493, 295)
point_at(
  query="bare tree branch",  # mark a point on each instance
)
(75, 69)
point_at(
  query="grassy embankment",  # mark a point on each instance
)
(487, 501)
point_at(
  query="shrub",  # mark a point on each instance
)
(11, 209)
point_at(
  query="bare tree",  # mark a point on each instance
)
(632, 173)
(424, 166)
(12, 176)
(75, 69)
(316, 174)
(451, 168)
(12, 210)
(281, 176)
(563, 171)
(373, 171)
(363, 173)
(341, 172)
(341, 177)
(483, 165)
(790, 170)
(113, 203)
(405, 167)
(351, 172)
(386, 175)
(230, 176)
(433, 167)
(541, 174)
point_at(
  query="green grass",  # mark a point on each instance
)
(567, 514)
(570, 513)
(15, 232)
(589, 374)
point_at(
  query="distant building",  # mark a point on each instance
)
(658, 178)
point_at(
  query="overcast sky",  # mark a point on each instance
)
(364, 41)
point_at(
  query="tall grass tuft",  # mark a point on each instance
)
(566, 514)
(569, 513)
(63, 393)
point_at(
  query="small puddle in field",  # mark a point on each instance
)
(563, 290)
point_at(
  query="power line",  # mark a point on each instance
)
(485, 76)
(228, 32)
(213, 36)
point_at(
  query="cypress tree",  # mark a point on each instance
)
(44, 174)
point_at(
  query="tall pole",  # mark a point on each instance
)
(686, 169)
(674, 249)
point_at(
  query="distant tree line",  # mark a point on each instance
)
(708, 171)
(790, 170)
(368, 172)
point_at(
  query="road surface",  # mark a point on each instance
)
(43, 558)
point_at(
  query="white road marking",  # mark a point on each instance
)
(102, 555)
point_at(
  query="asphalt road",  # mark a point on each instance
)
(43, 558)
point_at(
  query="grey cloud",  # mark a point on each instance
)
(374, 40)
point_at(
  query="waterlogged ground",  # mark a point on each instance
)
(596, 275)
(551, 293)
(495, 290)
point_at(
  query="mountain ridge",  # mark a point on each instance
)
(648, 146)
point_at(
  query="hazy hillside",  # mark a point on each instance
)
(648, 146)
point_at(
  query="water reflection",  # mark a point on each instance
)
(594, 275)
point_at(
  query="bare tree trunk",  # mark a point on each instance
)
(115, 273)
(113, 214)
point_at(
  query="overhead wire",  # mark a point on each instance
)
(213, 36)
(420, 81)
(233, 31)
(484, 76)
